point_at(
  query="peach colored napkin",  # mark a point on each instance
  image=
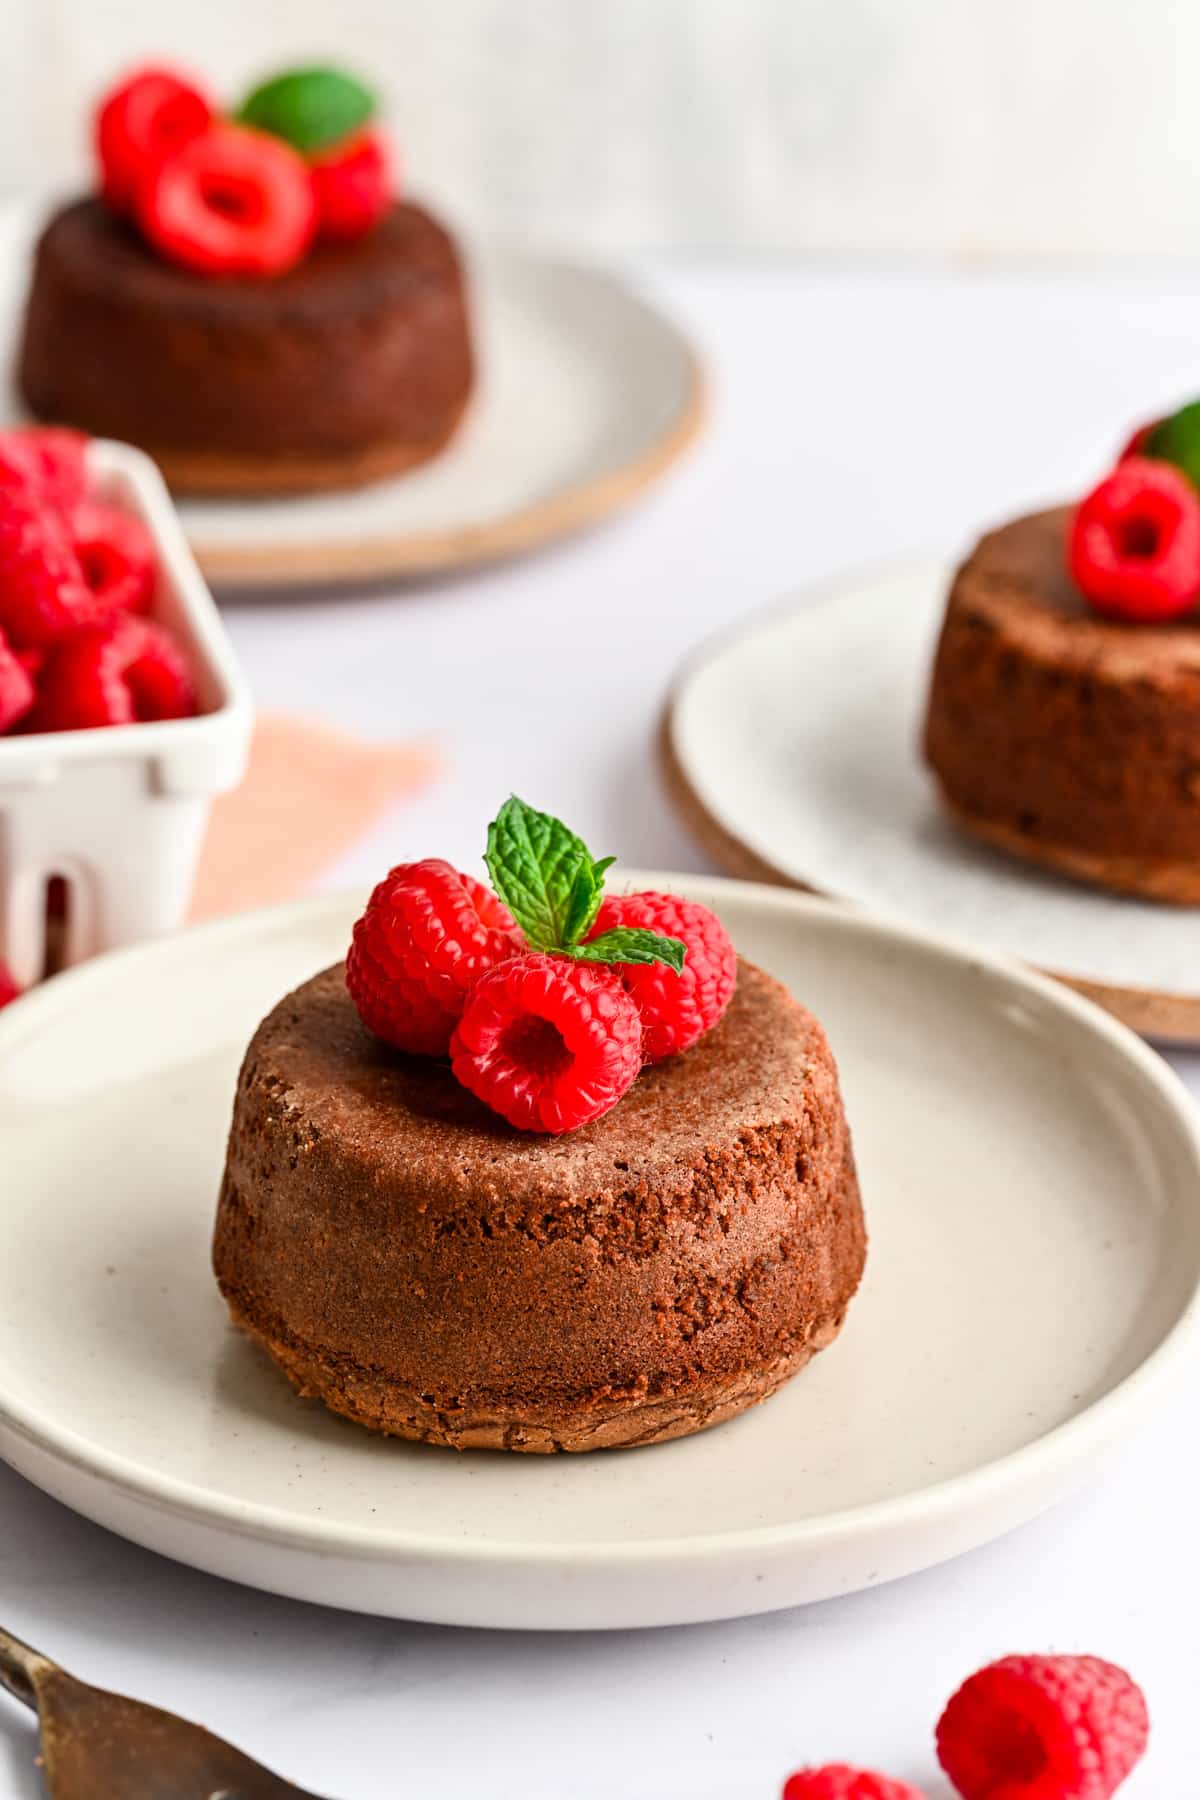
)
(309, 792)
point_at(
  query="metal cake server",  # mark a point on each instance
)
(101, 1746)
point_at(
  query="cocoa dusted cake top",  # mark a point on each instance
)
(420, 1129)
(1017, 580)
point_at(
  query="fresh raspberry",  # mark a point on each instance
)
(1043, 1728)
(43, 594)
(146, 118)
(9, 990)
(48, 461)
(232, 202)
(426, 937)
(838, 1781)
(352, 185)
(17, 692)
(1134, 543)
(116, 554)
(676, 1009)
(548, 1043)
(125, 672)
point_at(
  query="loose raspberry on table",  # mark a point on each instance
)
(838, 1781)
(17, 691)
(9, 990)
(124, 672)
(676, 1009)
(231, 202)
(352, 186)
(146, 118)
(43, 595)
(427, 935)
(1134, 543)
(1043, 1728)
(47, 461)
(116, 554)
(548, 1043)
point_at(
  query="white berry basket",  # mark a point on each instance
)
(119, 813)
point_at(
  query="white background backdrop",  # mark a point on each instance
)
(960, 127)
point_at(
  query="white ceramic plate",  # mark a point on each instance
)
(793, 747)
(1032, 1180)
(586, 395)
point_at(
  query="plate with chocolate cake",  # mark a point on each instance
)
(1007, 748)
(579, 1248)
(334, 386)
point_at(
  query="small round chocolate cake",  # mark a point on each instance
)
(354, 364)
(431, 1272)
(1064, 737)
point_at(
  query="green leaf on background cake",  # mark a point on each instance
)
(1177, 440)
(547, 878)
(309, 108)
(633, 944)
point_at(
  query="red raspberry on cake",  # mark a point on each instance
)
(1043, 1728)
(147, 117)
(43, 595)
(352, 186)
(1134, 543)
(838, 1781)
(427, 935)
(9, 990)
(676, 1008)
(125, 672)
(17, 692)
(230, 202)
(47, 461)
(116, 554)
(548, 1044)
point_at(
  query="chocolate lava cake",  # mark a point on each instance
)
(354, 364)
(1064, 737)
(433, 1273)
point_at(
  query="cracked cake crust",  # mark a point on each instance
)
(430, 1272)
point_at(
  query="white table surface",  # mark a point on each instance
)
(855, 415)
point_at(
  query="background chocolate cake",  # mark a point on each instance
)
(355, 363)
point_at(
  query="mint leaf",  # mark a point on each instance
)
(545, 875)
(308, 108)
(633, 944)
(1177, 440)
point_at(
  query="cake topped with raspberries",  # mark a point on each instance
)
(540, 1168)
(245, 296)
(1063, 722)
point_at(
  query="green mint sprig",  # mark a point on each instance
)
(1177, 440)
(552, 886)
(309, 108)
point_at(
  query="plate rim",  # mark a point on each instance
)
(1035, 1465)
(1160, 1014)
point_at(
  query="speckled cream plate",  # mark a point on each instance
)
(791, 746)
(587, 394)
(1031, 1174)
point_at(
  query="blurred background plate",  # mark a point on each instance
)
(792, 748)
(586, 396)
(1031, 1177)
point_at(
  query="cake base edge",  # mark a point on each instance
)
(608, 1422)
